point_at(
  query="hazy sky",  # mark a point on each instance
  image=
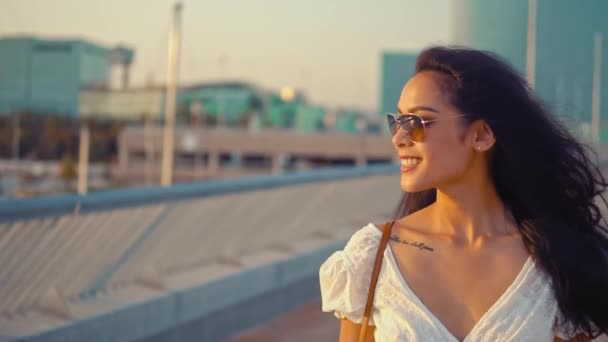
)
(329, 48)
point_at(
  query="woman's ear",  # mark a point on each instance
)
(483, 137)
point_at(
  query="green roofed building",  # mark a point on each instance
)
(282, 110)
(310, 118)
(229, 103)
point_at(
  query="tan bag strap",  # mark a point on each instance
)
(386, 230)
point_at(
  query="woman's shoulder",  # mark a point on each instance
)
(365, 241)
(364, 238)
(345, 276)
(360, 249)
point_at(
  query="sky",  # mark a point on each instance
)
(330, 49)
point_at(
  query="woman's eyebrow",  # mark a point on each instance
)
(416, 109)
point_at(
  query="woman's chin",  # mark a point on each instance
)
(408, 185)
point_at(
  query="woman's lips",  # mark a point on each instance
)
(408, 168)
(409, 163)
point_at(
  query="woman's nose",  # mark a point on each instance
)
(401, 138)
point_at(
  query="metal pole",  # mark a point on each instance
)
(172, 71)
(531, 47)
(83, 158)
(28, 105)
(596, 92)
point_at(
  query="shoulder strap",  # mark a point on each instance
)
(386, 230)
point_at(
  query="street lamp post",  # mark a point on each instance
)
(83, 157)
(172, 71)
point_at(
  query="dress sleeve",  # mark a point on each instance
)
(346, 275)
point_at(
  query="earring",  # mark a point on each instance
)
(478, 148)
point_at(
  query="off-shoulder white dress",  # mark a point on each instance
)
(526, 311)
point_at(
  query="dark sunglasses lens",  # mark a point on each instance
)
(411, 124)
(414, 127)
(392, 124)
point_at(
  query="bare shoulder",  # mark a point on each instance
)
(416, 221)
(380, 226)
(397, 223)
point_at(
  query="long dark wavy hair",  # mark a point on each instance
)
(548, 180)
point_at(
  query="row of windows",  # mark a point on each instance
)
(54, 47)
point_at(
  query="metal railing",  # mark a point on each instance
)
(74, 247)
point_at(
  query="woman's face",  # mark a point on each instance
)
(443, 156)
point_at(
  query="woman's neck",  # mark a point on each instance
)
(470, 212)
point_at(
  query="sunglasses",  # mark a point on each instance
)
(413, 125)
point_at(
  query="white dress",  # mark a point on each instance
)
(526, 311)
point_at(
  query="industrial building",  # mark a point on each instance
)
(79, 78)
(47, 75)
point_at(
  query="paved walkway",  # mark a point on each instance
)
(304, 324)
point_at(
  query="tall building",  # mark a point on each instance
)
(498, 26)
(46, 76)
(565, 48)
(397, 68)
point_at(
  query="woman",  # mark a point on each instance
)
(498, 237)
